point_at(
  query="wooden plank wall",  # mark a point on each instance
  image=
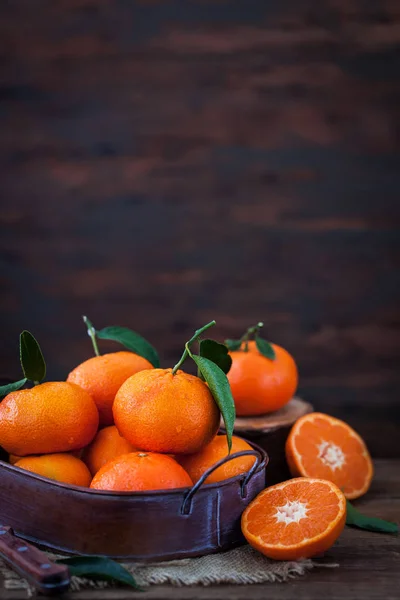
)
(166, 163)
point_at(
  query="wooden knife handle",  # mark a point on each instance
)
(31, 563)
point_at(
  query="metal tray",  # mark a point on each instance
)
(143, 526)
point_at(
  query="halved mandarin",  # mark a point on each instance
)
(322, 446)
(299, 518)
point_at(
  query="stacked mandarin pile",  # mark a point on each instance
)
(121, 423)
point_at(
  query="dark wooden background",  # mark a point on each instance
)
(166, 163)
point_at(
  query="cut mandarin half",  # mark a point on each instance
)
(299, 518)
(322, 446)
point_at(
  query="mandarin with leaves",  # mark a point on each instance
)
(171, 411)
(263, 376)
(162, 411)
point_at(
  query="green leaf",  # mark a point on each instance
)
(11, 387)
(265, 348)
(216, 352)
(132, 341)
(99, 567)
(31, 356)
(233, 344)
(356, 519)
(221, 391)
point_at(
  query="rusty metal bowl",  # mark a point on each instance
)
(145, 526)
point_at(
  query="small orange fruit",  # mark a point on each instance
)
(197, 464)
(61, 467)
(106, 446)
(295, 519)
(321, 446)
(13, 458)
(141, 471)
(50, 417)
(259, 384)
(161, 412)
(102, 376)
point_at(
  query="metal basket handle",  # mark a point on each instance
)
(187, 501)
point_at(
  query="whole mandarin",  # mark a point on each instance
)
(64, 468)
(107, 445)
(159, 411)
(51, 417)
(141, 471)
(259, 384)
(197, 464)
(102, 376)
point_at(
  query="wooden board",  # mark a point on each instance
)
(285, 417)
(368, 563)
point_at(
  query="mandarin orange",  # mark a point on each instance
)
(321, 446)
(197, 464)
(141, 471)
(159, 411)
(299, 518)
(259, 384)
(50, 417)
(102, 376)
(107, 445)
(64, 468)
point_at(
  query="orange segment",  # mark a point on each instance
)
(322, 446)
(295, 519)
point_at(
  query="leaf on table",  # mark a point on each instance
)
(132, 341)
(99, 567)
(32, 361)
(355, 519)
(216, 352)
(221, 391)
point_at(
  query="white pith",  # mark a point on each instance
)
(291, 512)
(331, 455)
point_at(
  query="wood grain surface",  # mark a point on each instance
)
(166, 163)
(367, 563)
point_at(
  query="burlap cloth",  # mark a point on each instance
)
(239, 566)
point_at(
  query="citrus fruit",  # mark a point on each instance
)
(197, 464)
(321, 446)
(61, 467)
(140, 471)
(162, 412)
(295, 519)
(13, 458)
(50, 417)
(102, 376)
(106, 446)
(259, 384)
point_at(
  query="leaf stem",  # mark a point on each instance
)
(186, 352)
(92, 334)
(36, 382)
(251, 330)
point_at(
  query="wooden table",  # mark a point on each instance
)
(369, 563)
